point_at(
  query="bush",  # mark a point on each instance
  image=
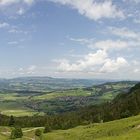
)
(47, 129)
(38, 132)
(16, 133)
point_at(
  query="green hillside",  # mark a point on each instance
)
(124, 129)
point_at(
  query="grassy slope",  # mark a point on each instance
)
(125, 129)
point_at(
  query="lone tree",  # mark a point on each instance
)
(47, 129)
(11, 121)
(16, 133)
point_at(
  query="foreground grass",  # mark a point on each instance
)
(125, 129)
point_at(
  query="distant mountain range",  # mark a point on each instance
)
(46, 83)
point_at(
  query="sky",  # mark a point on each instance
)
(98, 39)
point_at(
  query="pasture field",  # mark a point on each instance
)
(53, 95)
(28, 103)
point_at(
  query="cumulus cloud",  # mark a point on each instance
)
(90, 60)
(92, 9)
(93, 62)
(113, 65)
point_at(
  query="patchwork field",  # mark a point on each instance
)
(28, 103)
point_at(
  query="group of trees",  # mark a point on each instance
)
(39, 132)
(17, 131)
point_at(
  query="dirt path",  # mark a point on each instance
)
(30, 138)
(5, 133)
(138, 127)
(32, 129)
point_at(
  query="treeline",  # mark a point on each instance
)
(124, 105)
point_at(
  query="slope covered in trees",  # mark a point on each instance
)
(124, 105)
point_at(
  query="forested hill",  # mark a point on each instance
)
(128, 104)
(124, 105)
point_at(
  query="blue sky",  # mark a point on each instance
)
(70, 38)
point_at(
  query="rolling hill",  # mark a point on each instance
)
(27, 102)
(45, 83)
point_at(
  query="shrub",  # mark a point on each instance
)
(16, 133)
(47, 129)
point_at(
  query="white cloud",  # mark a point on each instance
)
(92, 9)
(113, 65)
(124, 33)
(9, 2)
(89, 61)
(13, 43)
(98, 62)
(15, 7)
(110, 44)
(17, 31)
(82, 40)
(29, 70)
(29, 2)
(21, 11)
(4, 25)
(103, 44)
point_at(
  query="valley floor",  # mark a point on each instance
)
(125, 129)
